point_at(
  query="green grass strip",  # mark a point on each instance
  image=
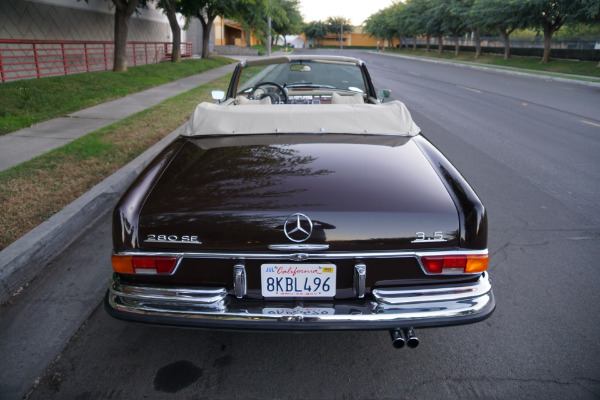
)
(572, 69)
(30, 101)
(33, 191)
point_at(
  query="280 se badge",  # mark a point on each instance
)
(172, 239)
(301, 202)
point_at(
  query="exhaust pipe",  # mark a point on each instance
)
(397, 338)
(412, 341)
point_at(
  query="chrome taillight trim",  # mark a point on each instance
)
(457, 292)
(292, 256)
(195, 295)
(309, 256)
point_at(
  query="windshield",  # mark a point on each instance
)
(338, 75)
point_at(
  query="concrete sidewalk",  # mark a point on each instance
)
(21, 261)
(48, 285)
(20, 146)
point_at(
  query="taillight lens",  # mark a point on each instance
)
(149, 265)
(455, 264)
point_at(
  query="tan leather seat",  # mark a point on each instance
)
(243, 101)
(353, 99)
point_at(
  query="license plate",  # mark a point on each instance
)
(298, 280)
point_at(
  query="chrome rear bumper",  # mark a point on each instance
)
(384, 309)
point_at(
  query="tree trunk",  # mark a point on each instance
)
(176, 31)
(427, 43)
(123, 11)
(477, 43)
(456, 45)
(505, 35)
(206, 28)
(440, 44)
(391, 42)
(414, 43)
(248, 38)
(547, 43)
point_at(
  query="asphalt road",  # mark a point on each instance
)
(530, 149)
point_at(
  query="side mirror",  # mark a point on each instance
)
(218, 95)
(383, 94)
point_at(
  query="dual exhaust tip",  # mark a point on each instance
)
(406, 336)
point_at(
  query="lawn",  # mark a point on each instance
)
(573, 67)
(33, 191)
(30, 101)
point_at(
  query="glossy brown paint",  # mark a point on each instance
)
(471, 212)
(127, 211)
(361, 197)
(237, 198)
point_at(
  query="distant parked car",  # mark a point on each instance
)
(301, 202)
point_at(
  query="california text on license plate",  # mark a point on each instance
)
(298, 280)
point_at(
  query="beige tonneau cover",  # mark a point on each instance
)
(382, 119)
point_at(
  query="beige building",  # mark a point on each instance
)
(230, 33)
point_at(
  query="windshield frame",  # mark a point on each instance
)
(234, 90)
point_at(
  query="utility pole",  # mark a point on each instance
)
(342, 35)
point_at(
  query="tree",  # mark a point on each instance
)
(550, 16)
(315, 30)
(206, 11)
(124, 9)
(415, 17)
(170, 8)
(375, 26)
(382, 25)
(592, 14)
(336, 24)
(435, 13)
(502, 15)
(294, 18)
(252, 14)
(475, 25)
(456, 21)
(396, 22)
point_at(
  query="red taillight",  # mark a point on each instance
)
(143, 264)
(455, 264)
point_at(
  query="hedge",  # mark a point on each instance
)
(573, 54)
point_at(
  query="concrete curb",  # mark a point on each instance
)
(495, 69)
(22, 260)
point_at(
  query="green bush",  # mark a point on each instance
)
(571, 54)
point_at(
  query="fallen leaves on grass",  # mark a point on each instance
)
(32, 192)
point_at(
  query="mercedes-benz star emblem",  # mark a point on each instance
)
(298, 227)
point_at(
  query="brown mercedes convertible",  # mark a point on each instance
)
(301, 202)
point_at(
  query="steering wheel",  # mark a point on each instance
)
(277, 94)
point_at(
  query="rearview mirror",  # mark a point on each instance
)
(300, 67)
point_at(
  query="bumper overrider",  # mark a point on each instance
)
(384, 309)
